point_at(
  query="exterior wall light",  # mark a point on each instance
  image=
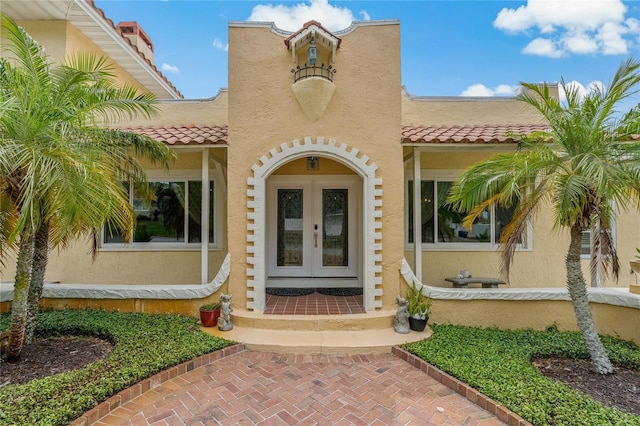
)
(313, 164)
(312, 53)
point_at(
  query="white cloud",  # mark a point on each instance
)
(581, 89)
(170, 68)
(610, 36)
(218, 44)
(580, 43)
(482, 90)
(571, 26)
(292, 17)
(365, 15)
(542, 47)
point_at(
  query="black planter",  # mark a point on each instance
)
(417, 324)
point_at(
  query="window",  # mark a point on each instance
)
(585, 246)
(172, 217)
(442, 226)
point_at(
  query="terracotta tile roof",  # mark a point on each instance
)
(185, 135)
(467, 134)
(119, 31)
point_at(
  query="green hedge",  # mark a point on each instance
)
(143, 346)
(498, 364)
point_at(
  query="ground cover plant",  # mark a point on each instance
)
(142, 346)
(500, 364)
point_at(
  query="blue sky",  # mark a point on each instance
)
(449, 48)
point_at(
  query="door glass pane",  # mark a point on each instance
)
(289, 227)
(335, 227)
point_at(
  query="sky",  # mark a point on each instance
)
(448, 48)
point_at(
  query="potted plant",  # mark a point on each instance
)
(419, 307)
(209, 314)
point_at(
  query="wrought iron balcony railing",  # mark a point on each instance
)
(306, 71)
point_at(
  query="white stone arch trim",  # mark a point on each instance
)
(371, 214)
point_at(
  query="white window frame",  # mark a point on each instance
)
(451, 175)
(613, 237)
(175, 176)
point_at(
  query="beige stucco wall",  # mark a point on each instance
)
(610, 320)
(363, 113)
(541, 264)
(327, 167)
(205, 112)
(61, 38)
(456, 110)
(52, 35)
(128, 264)
(134, 265)
(366, 111)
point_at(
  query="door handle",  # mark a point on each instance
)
(315, 235)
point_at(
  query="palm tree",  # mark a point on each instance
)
(61, 168)
(579, 168)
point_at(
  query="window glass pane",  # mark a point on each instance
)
(113, 234)
(503, 217)
(450, 227)
(211, 212)
(195, 206)
(426, 195)
(585, 244)
(161, 220)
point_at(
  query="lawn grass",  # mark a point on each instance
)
(143, 346)
(498, 364)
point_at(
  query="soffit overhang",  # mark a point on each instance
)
(313, 30)
(92, 22)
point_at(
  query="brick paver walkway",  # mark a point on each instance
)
(273, 389)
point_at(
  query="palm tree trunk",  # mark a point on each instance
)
(578, 291)
(40, 259)
(20, 298)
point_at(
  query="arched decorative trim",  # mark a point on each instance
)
(371, 214)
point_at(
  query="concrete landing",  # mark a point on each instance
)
(370, 333)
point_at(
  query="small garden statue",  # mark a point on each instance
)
(224, 322)
(401, 322)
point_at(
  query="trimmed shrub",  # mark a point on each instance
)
(498, 364)
(143, 346)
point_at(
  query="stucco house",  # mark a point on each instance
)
(309, 161)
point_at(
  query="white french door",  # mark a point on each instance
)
(312, 227)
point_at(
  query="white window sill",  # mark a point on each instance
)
(196, 247)
(479, 247)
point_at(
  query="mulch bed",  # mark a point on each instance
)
(53, 355)
(619, 390)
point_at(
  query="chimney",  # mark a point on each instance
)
(140, 39)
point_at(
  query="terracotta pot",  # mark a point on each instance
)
(209, 318)
(417, 324)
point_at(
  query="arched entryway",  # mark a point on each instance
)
(351, 202)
